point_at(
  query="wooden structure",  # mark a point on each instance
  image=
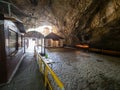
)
(53, 40)
(11, 47)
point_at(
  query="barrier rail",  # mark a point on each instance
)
(117, 53)
(45, 70)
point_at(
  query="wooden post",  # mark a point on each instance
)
(3, 68)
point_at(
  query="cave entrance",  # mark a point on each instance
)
(45, 29)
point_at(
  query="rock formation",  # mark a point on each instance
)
(93, 22)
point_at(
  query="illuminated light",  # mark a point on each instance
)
(40, 29)
(82, 46)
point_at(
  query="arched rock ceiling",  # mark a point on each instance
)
(83, 21)
(63, 13)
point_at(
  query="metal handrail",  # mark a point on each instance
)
(44, 70)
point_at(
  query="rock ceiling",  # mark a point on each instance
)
(79, 21)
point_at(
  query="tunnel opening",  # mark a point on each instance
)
(44, 29)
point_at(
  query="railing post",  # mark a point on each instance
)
(46, 74)
(40, 65)
(45, 69)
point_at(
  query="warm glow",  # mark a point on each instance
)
(82, 46)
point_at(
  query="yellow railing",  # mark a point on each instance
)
(46, 70)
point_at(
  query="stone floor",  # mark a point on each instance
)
(27, 76)
(80, 70)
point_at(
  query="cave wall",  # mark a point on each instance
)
(93, 22)
(104, 28)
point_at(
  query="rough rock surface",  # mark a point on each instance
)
(95, 22)
(79, 70)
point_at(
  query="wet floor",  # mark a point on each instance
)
(80, 70)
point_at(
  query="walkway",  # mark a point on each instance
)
(27, 76)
